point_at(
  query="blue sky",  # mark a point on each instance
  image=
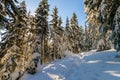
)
(65, 8)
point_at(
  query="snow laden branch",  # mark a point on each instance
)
(105, 14)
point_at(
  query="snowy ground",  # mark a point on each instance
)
(93, 66)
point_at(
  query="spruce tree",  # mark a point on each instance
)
(54, 33)
(13, 44)
(67, 26)
(104, 14)
(67, 35)
(74, 38)
(93, 36)
(54, 20)
(60, 28)
(81, 39)
(59, 22)
(60, 37)
(11, 11)
(41, 29)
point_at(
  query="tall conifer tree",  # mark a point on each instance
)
(41, 28)
(74, 34)
(13, 45)
(67, 34)
(54, 28)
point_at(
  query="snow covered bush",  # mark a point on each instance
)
(103, 45)
(34, 64)
(32, 69)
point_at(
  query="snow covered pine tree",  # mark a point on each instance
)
(106, 15)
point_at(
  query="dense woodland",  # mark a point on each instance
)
(29, 41)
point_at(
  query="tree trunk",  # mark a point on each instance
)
(42, 50)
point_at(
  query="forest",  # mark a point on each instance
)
(31, 40)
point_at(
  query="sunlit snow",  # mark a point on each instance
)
(93, 66)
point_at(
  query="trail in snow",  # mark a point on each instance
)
(94, 66)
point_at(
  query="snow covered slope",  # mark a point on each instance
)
(93, 66)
